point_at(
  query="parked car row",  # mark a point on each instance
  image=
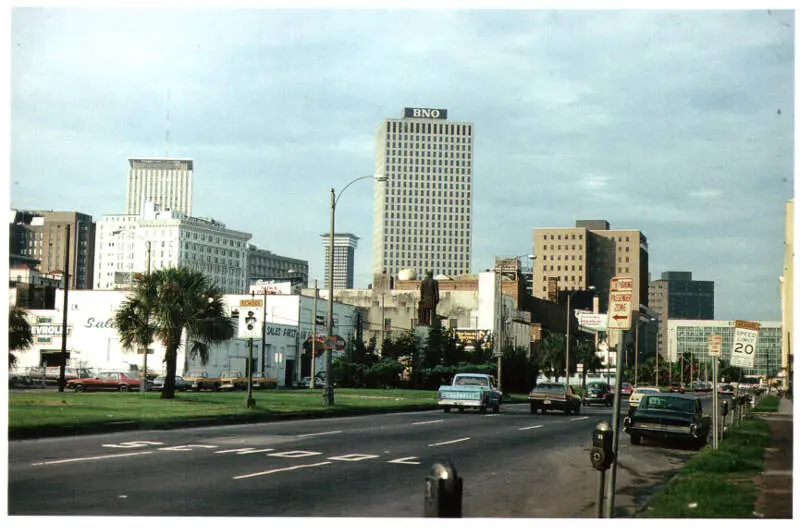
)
(668, 416)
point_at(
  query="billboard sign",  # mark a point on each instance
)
(428, 113)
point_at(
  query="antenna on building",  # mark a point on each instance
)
(166, 138)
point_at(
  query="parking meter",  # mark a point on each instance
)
(443, 491)
(602, 455)
(724, 408)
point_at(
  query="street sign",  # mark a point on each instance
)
(714, 345)
(592, 321)
(620, 300)
(745, 338)
(251, 318)
(335, 342)
(622, 284)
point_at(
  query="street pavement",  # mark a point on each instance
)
(775, 483)
(513, 464)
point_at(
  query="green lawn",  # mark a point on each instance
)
(31, 409)
(717, 484)
(768, 403)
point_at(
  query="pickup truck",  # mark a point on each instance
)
(470, 390)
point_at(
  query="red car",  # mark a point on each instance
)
(676, 388)
(105, 381)
(626, 390)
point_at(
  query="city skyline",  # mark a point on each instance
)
(678, 124)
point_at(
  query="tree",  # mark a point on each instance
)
(20, 336)
(586, 355)
(551, 355)
(166, 302)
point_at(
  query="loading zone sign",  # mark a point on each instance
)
(620, 301)
(745, 338)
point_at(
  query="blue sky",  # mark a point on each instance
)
(677, 123)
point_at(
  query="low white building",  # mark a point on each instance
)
(175, 239)
(92, 340)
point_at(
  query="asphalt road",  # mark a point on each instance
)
(513, 464)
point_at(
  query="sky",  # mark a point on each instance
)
(676, 123)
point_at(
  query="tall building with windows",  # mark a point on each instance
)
(163, 181)
(590, 254)
(677, 296)
(422, 213)
(263, 264)
(344, 258)
(41, 236)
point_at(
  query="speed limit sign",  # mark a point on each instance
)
(745, 338)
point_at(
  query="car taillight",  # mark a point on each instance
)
(440, 395)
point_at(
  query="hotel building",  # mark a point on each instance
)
(163, 181)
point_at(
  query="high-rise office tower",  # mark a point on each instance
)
(344, 257)
(422, 214)
(163, 181)
(677, 296)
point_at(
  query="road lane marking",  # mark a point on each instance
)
(427, 422)
(405, 461)
(450, 442)
(185, 448)
(241, 451)
(353, 457)
(295, 453)
(579, 418)
(134, 444)
(531, 427)
(93, 458)
(281, 470)
(318, 433)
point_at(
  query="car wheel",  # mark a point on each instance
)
(533, 409)
(446, 409)
(482, 409)
(544, 411)
(578, 410)
(79, 388)
(460, 410)
(123, 388)
(496, 408)
(636, 439)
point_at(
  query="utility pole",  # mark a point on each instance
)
(328, 398)
(383, 321)
(314, 339)
(264, 343)
(62, 370)
(143, 387)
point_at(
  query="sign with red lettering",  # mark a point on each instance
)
(620, 302)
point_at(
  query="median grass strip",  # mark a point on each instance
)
(32, 409)
(767, 404)
(717, 484)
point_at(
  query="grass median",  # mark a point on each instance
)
(717, 484)
(41, 409)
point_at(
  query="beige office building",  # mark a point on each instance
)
(166, 182)
(590, 254)
(422, 213)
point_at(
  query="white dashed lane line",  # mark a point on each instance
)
(427, 422)
(273, 471)
(93, 458)
(579, 418)
(319, 433)
(450, 442)
(531, 427)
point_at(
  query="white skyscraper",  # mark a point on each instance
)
(163, 181)
(423, 213)
(344, 256)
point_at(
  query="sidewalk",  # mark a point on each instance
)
(775, 482)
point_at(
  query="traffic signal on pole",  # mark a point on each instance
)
(250, 322)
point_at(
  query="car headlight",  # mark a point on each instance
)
(693, 429)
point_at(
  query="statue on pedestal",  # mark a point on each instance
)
(429, 298)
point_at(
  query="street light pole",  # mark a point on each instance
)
(314, 338)
(566, 372)
(327, 393)
(143, 387)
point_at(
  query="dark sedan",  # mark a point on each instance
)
(158, 384)
(553, 396)
(668, 416)
(598, 393)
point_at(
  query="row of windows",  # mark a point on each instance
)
(566, 237)
(566, 258)
(566, 247)
(427, 137)
(400, 172)
(430, 128)
(566, 267)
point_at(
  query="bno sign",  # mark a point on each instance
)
(427, 113)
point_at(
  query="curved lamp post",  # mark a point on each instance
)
(143, 387)
(327, 393)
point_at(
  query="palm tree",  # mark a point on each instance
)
(166, 302)
(551, 354)
(20, 336)
(586, 355)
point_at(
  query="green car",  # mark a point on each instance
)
(668, 416)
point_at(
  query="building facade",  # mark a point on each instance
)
(422, 212)
(263, 264)
(691, 337)
(344, 258)
(42, 235)
(175, 240)
(163, 181)
(590, 254)
(787, 300)
(676, 295)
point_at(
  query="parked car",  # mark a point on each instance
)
(554, 396)
(726, 389)
(598, 393)
(701, 386)
(626, 390)
(232, 380)
(668, 416)
(470, 390)
(158, 384)
(306, 382)
(199, 380)
(105, 381)
(640, 392)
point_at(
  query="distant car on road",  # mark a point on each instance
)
(626, 390)
(640, 392)
(676, 388)
(105, 381)
(726, 389)
(554, 396)
(306, 383)
(158, 384)
(598, 393)
(667, 416)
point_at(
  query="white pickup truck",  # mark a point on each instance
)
(470, 390)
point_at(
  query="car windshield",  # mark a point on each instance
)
(646, 391)
(658, 402)
(596, 385)
(471, 381)
(550, 388)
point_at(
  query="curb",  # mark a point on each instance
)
(20, 434)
